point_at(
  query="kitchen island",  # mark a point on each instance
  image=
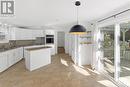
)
(37, 57)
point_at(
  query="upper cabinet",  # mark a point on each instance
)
(4, 34)
(20, 34)
(25, 34)
(8, 32)
(38, 33)
(50, 32)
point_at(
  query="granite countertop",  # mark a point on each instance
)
(37, 48)
(11, 48)
(7, 49)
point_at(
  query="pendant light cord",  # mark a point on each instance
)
(77, 3)
(77, 15)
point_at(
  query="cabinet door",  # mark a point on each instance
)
(19, 34)
(38, 33)
(3, 62)
(11, 57)
(16, 52)
(15, 55)
(52, 49)
(33, 33)
(29, 34)
(85, 54)
(20, 53)
(12, 33)
(50, 32)
(4, 35)
(43, 32)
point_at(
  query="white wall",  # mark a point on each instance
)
(67, 42)
(55, 37)
(61, 39)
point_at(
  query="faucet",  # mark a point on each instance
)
(10, 44)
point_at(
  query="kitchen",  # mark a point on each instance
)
(15, 41)
(74, 43)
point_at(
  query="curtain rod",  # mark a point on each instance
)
(114, 15)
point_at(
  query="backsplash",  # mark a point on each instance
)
(17, 43)
(4, 45)
(25, 42)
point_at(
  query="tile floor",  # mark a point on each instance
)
(60, 73)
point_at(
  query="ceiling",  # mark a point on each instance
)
(59, 13)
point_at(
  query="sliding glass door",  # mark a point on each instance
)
(115, 51)
(125, 53)
(107, 46)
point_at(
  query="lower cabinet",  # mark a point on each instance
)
(18, 54)
(3, 61)
(10, 57)
(52, 48)
(85, 54)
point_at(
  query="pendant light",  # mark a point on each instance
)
(77, 29)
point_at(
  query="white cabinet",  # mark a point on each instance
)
(18, 54)
(25, 34)
(10, 57)
(81, 53)
(3, 61)
(85, 48)
(38, 33)
(85, 54)
(14, 33)
(22, 34)
(37, 58)
(50, 32)
(52, 48)
(43, 33)
(4, 35)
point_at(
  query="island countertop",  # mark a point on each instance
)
(37, 48)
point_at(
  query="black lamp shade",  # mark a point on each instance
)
(78, 29)
(77, 3)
